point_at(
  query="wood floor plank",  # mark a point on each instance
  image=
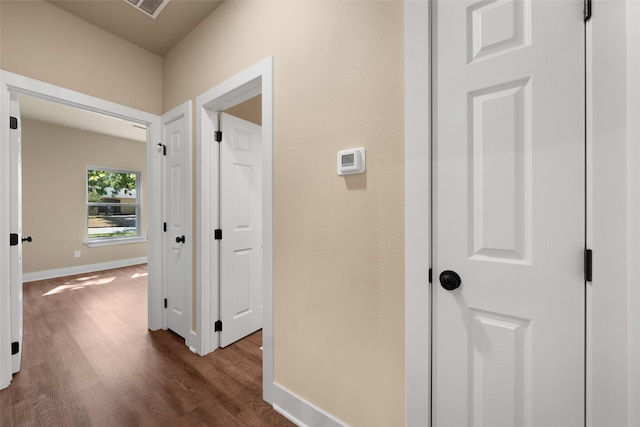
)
(89, 360)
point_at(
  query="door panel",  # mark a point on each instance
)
(509, 213)
(241, 224)
(177, 261)
(16, 227)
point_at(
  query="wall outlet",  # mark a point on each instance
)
(76, 254)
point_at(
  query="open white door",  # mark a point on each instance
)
(16, 232)
(177, 206)
(509, 213)
(241, 225)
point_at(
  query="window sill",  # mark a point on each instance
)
(96, 243)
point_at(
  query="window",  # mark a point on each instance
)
(113, 206)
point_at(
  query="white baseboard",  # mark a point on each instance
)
(81, 269)
(300, 412)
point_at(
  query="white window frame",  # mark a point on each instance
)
(108, 241)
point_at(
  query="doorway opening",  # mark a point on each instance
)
(59, 143)
(247, 85)
(20, 85)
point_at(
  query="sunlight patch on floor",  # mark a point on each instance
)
(80, 283)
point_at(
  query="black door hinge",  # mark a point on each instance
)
(587, 10)
(13, 239)
(15, 347)
(431, 275)
(165, 303)
(588, 265)
(13, 122)
(217, 135)
(217, 235)
(164, 227)
(217, 326)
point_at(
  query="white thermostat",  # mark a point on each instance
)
(351, 161)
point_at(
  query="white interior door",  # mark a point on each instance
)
(509, 213)
(16, 230)
(241, 224)
(178, 242)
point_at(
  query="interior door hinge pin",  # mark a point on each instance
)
(587, 10)
(588, 265)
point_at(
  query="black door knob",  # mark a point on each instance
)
(27, 239)
(450, 280)
(180, 239)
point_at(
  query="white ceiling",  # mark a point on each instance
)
(158, 35)
(64, 115)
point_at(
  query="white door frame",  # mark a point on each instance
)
(613, 293)
(417, 211)
(257, 79)
(11, 82)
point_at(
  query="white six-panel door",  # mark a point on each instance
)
(177, 235)
(509, 213)
(16, 227)
(241, 225)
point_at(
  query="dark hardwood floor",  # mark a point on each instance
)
(89, 359)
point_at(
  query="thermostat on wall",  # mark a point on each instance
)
(351, 161)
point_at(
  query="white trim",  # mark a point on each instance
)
(589, 168)
(306, 413)
(182, 110)
(114, 241)
(81, 269)
(417, 212)
(206, 222)
(245, 85)
(633, 241)
(608, 325)
(5, 227)
(118, 240)
(21, 84)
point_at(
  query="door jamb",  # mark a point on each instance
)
(417, 211)
(21, 84)
(241, 87)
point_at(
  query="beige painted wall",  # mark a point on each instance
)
(44, 42)
(55, 161)
(339, 281)
(250, 110)
(339, 276)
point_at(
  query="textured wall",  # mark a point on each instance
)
(339, 277)
(55, 160)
